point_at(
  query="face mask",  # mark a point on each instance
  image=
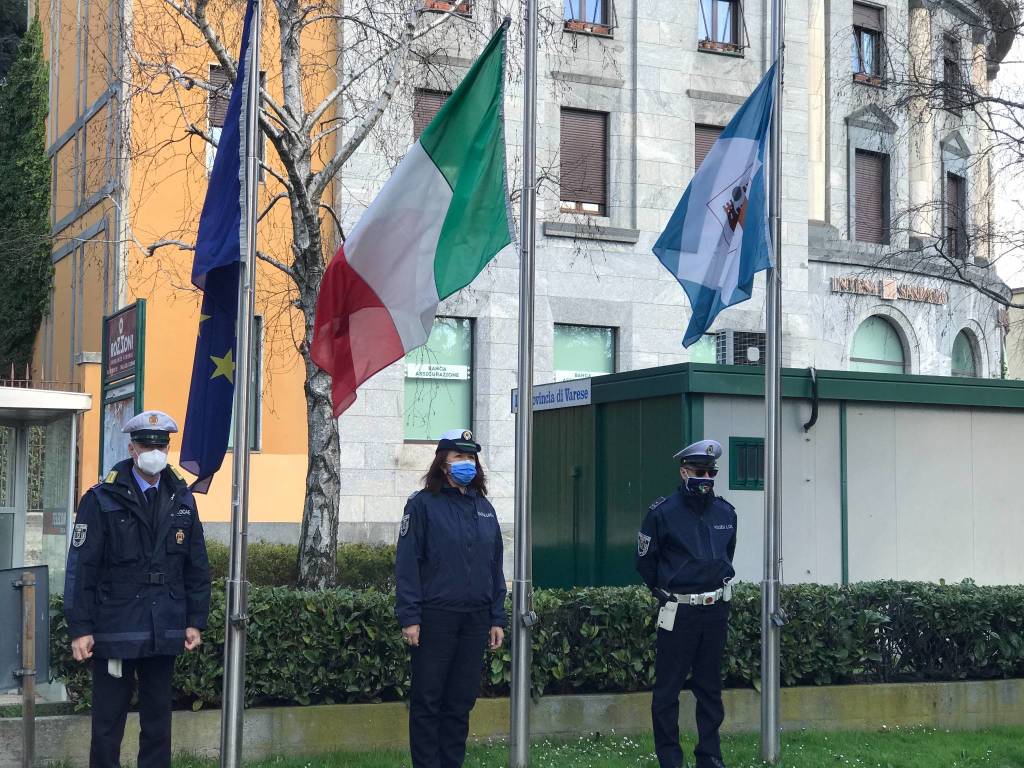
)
(700, 485)
(463, 472)
(152, 462)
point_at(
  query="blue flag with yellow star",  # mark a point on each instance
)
(215, 271)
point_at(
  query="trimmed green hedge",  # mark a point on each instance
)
(345, 646)
(360, 566)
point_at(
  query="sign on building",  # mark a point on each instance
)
(124, 335)
(560, 394)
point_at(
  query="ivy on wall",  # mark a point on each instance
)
(25, 263)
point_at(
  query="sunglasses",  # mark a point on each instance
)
(703, 472)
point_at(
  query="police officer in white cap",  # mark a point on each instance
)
(137, 591)
(684, 554)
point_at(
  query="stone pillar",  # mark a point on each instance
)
(817, 127)
(921, 67)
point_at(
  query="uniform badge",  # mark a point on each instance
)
(79, 534)
(643, 543)
(405, 525)
(179, 536)
(153, 419)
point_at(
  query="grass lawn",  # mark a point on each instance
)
(896, 748)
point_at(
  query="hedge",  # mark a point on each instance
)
(360, 566)
(344, 646)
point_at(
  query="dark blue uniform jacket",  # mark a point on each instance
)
(686, 543)
(449, 556)
(136, 578)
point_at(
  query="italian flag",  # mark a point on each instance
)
(438, 220)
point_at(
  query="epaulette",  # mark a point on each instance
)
(111, 477)
(657, 503)
(413, 495)
(175, 472)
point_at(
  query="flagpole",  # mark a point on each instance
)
(233, 700)
(522, 581)
(771, 616)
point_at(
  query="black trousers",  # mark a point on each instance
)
(446, 669)
(694, 647)
(111, 697)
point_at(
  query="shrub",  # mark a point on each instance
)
(344, 645)
(360, 566)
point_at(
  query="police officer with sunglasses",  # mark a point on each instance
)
(684, 554)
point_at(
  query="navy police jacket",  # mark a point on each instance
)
(686, 543)
(449, 556)
(136, 578)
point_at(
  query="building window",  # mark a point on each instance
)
(956, 240)
(952, 80)
(867, 44)
(426, 105)
(217, 110)
(964, 363)
(582, 351)
(464, 8)
(438, 381)
(584, 164)
(587, 16)
(719, 25)
(871, 187)
(877, 347)
(704, 138)
(746, 463)
(255, 388)
(705, 350)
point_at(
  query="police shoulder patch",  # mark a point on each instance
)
(111, 476)
(657, 502)
(405, 525)
(643, 543)
(78, 535)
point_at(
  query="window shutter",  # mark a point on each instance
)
(425, 106)
(584, 156)
(867, 17)
(217, 105)
(869, 191)
(704, 137)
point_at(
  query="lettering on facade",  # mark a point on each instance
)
(888, 290)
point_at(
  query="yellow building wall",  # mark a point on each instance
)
(165, 179)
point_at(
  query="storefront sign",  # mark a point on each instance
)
(888, 290)
(437, 371)
(560, 394)
(121, 344)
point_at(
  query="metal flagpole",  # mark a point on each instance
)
(771, 614)
(233, 704)
(522, 581)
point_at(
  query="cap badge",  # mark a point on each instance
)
(153, 418)
(179, 536)
(710, 450)
(467, 435)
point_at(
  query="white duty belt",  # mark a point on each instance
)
(723, 595)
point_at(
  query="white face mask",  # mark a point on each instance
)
(152, 462)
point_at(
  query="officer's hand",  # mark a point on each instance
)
(193, 638)
(497, 637)
(411, 634)
(81, 647)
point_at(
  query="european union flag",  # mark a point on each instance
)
(717, 238)
(215, 271)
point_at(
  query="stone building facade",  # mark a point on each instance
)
(657, 73)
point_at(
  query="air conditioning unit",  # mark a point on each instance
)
(739, 347)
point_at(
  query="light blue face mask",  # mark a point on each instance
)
(463, 471)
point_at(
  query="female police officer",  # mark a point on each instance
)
(450, 598)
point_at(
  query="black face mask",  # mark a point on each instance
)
(702, 486)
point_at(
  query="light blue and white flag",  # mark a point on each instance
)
(718, 237)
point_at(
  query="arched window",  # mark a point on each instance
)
(877, 347)
(964, 363)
